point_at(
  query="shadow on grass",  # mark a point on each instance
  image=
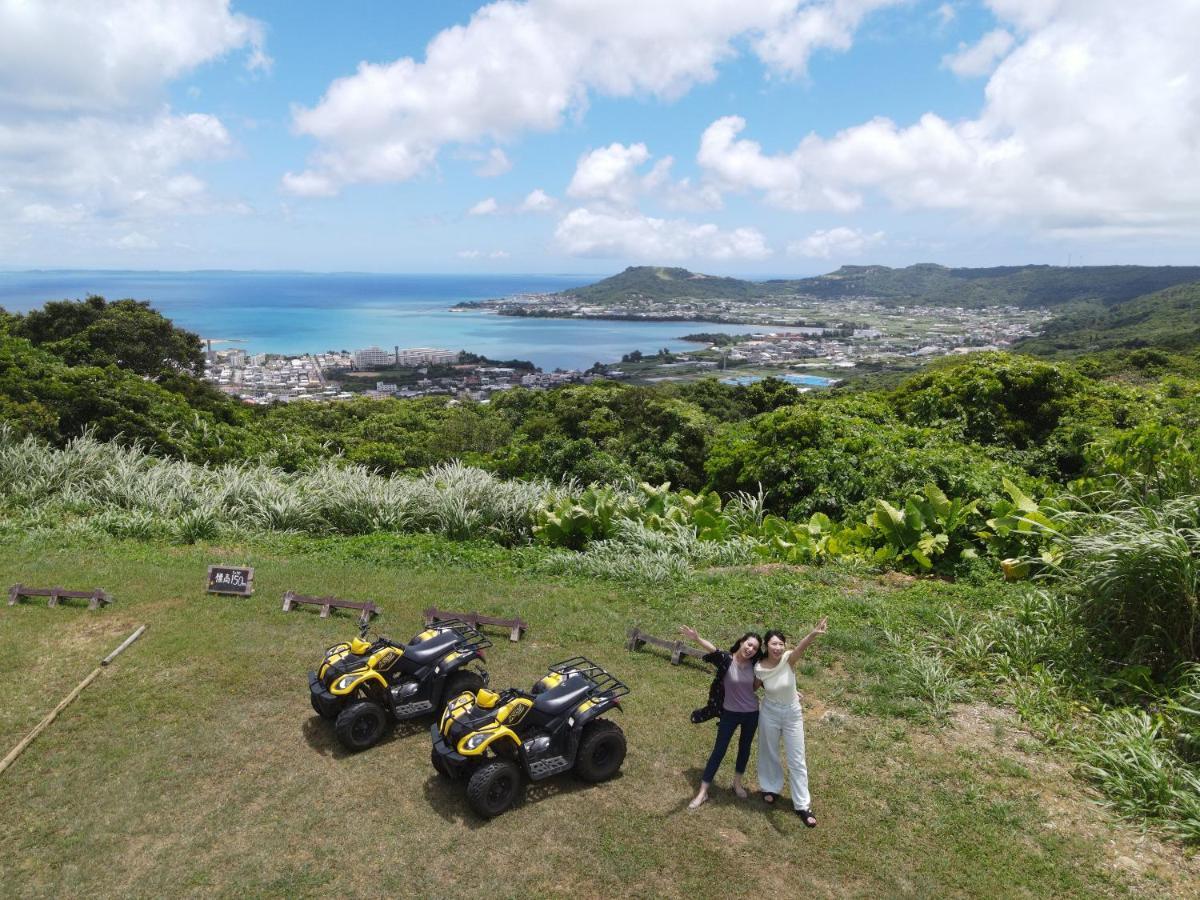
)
(448, 796)
(319, 735)
(723, 798)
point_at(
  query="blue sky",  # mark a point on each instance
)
(751, 137)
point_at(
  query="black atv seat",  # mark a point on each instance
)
(564, 696)
(433, 649)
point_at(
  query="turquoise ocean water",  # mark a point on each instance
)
(291, 312)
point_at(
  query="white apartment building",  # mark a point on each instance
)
(425, 356)
(372, 357)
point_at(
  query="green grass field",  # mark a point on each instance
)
(194, 766)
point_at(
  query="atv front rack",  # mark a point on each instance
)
(605, 682)
(471, 638)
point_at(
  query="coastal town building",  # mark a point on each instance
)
(425, 356)
(378, 358)
(372, 358)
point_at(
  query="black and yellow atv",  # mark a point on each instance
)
(363, 685)
(497, 740)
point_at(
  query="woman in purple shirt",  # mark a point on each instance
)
(732, 698)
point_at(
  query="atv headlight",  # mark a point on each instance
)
(343, 683)
(475, 740)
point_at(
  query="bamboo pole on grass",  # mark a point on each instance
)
(53, 714)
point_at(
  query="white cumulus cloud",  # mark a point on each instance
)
(69, 55)
(85, 133)
(308, 184)
(631, 235)
(106, 167)
(784, 180)
(980, 58)
(538, 201)
(485, 207)
(615, 176)
(1089, 125)
(788, 47)
(525, 66)
(610, 173)
(495, 163)
(834, 243)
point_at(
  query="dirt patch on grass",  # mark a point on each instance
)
(995, 738)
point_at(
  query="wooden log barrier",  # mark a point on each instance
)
(291, 600)
(95, 598)
(516, 627)
(678, 649)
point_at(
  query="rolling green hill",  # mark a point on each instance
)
(1169, 319)
(925, 283)
(1005, 285)
(659, 283)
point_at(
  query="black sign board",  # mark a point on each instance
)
(231, 580)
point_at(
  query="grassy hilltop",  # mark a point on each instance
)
(195, 766)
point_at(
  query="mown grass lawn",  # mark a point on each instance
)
(195, 766)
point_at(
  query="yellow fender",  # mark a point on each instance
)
(513, 711)
(493, 732)
(360, 679)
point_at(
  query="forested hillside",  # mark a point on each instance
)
(1169, 319)
(928, 284)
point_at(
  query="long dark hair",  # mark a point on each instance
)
(770, 634)
(737, 645)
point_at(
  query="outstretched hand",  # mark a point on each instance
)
(822, 626)
(689, 632)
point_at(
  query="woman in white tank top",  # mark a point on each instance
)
(781, 718)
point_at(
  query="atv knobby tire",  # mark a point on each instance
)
(494, 788)
(458, 683)
(601, 751)
(361, 725)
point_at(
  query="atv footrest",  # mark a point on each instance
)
(409, 710)
(551, 765)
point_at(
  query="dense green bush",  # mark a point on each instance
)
(837, 455)
(42, 396)
(124, 333)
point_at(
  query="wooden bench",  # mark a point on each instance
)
(516, 627)
(95, 598)
(678, 649)
(291, 600)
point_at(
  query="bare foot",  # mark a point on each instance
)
(740, 791)
(698, 800)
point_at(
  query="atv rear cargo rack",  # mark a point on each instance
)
(605, 682)
(470, 637)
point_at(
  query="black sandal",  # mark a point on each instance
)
(806, 816)
(768, 798)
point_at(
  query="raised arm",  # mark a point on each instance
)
(798, 651)
(691, 633)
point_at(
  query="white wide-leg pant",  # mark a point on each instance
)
(775, 722)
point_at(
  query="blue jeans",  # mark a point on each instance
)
(726, 726)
